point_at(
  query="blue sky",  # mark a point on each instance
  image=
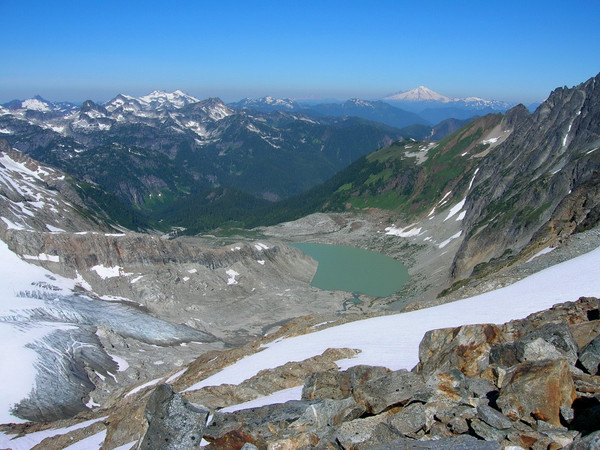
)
(515, 51)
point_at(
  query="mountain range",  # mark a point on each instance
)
(148, 150)
(417, 106)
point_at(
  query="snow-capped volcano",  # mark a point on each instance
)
(420, 94)
(423, 94)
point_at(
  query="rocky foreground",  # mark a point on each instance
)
(531, 383)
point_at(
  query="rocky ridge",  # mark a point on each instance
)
(545, 159)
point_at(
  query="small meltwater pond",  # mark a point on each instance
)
(355, 270)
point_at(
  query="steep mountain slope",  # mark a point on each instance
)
(521, 182)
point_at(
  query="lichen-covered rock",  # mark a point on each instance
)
(337, 385)
(464, 442)
(351, 434)
(173, 422)
(537, 389)
(392, 389)
(464, 348)
(589, 442)
(450, 387)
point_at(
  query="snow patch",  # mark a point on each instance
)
(175, 376)
(54, 229)
(490, 141)
(540, 253)
(282, 396)
(456, 209)
(402, 232)
(32, 439)
(123, 365)
(109, 272)
(143, 386)
(92, 442)
(42, 257)
(451, 238)
(232, 274)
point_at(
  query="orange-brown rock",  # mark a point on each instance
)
(537, 389)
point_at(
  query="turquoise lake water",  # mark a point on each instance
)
(355, 270)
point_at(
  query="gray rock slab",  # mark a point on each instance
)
(590, 356)
(392, 389)
(493, 418)
(464, 442)
(173, 422)
(410, 419)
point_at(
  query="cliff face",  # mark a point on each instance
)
(518, 186)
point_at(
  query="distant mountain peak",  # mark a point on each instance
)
(267, 104)
(419, 94)
(168, 100)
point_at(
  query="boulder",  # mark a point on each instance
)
(352, 434)
(337, 385)
(589, 442)
(487, 432)
(549, 341)
(395, 388)
(464, 442)
(586, 385)
(449, 387)
(410, 419)
(268, 419)
(326, 385)
(328, 413)
(464, 348)
(493, 417)
(537, 389)
(590, 356)
(173, 422)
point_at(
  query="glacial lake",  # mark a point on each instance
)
(355, 270)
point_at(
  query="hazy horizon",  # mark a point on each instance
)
(516, 52)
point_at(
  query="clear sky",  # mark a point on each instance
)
(509, 50)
